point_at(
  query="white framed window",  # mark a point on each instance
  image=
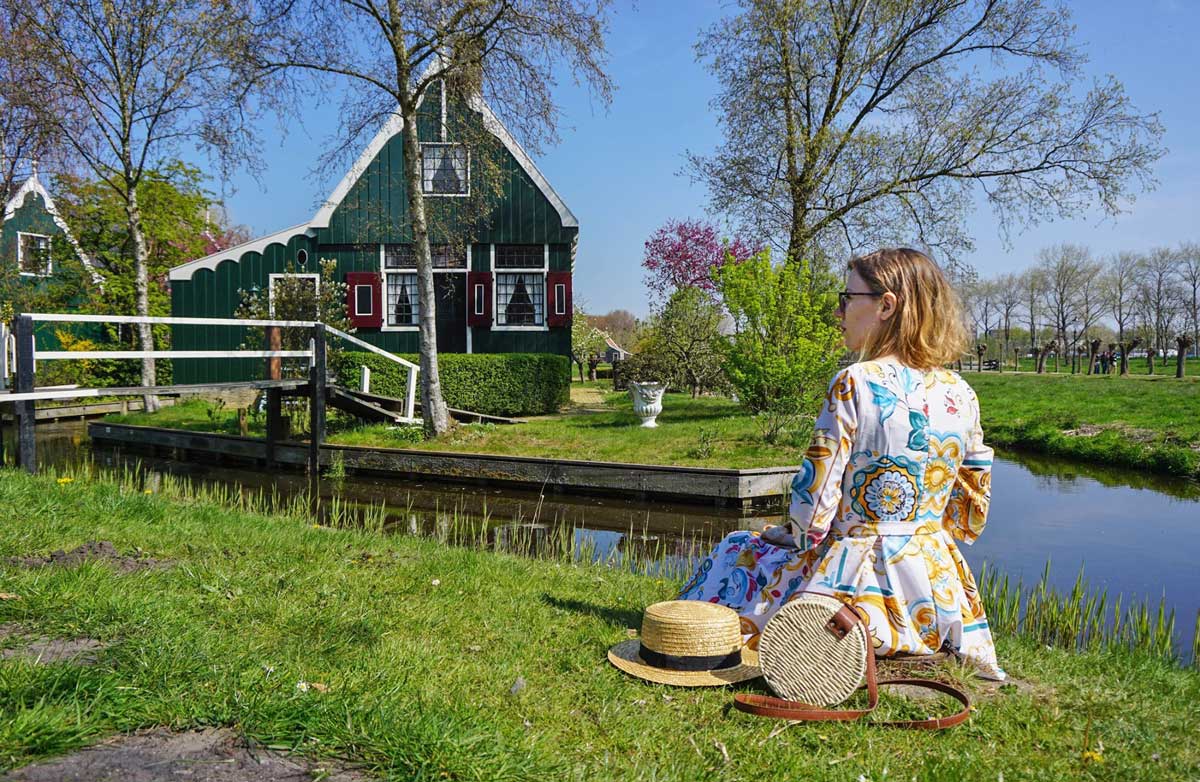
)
(404, 256)
(403, 301)
(301, 257)
(519, 271)
(33, 254)
(445, 169)
(299, 291)
(364, 300)
(521, 299)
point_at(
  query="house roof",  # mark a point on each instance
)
(609, 341)
(391, 127)
(34, 185)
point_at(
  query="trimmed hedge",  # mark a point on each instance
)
(508, 384)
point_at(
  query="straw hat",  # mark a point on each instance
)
(688, 643)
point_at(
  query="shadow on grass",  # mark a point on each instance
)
(617, 617)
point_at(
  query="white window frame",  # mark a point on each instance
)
(316, 278)
(429, 193)
(49, 263)
(478, 302)
(560, 286)
(545, 268)
(370, 288)
(385, 270)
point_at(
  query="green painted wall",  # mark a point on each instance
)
(374, 211)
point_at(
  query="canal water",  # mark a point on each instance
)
(1133, 535)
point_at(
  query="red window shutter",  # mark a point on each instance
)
(479, 299)
(364, 299)
(558, 299)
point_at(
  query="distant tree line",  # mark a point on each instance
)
(1073, 305)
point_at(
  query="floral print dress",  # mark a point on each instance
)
(897, 473)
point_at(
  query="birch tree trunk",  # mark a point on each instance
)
(433, 407)
(145, 331)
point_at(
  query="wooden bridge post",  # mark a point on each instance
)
(316, 409)
(25, 412)
(274, 363)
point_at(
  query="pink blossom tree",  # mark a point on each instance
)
(684, 253)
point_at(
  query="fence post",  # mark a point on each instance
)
(316, 408)
(4, 367)
(26, 411)
(410, 404)
(274, 363)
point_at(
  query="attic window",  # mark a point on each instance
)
(445, 169)
(33, 254)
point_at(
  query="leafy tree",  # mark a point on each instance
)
(398, 55)
(621, 325)
(687, 253)
(296, 298)
(785, 347)
(136, 79)
(858, 123)
(175, 228)
(587, 341)
(686, 333)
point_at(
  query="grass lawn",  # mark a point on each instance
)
(1147, 423)
(443, 663)
(600, 426)
(1135, 421)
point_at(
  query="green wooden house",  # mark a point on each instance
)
(32, 225)
(506, 290)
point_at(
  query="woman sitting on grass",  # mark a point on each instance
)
(897, 470)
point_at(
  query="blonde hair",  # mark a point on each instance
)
(927, 330)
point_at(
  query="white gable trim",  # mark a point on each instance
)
(492, 123)
(390, 128)
(34, 185)
(395, 124)
(210, 262)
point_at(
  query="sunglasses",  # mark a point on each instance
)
(844, 297)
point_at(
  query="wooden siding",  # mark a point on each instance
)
(374, 212)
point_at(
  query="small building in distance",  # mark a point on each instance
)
(505, 288)
(32, 226)
(613, 352)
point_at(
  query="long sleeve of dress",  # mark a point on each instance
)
(967, 510)
(817, 487)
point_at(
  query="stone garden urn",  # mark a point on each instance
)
(647, 401)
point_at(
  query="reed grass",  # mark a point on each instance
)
(1081, 618)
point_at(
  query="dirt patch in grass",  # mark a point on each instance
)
(101, 551)
(209, 755)
(40, 649)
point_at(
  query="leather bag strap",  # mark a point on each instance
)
(781, 708)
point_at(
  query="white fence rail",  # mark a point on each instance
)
(9, 347)
(411, 390)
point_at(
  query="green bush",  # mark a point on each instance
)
(507, 384)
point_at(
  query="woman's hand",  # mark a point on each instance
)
(779, 535)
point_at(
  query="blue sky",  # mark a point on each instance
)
(619, 170)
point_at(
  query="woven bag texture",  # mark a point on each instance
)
(802, 661)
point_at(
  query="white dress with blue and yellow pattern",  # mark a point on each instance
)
(896, 473)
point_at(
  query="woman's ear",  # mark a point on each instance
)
(888, 304)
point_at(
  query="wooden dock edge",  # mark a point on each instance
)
(698, 485)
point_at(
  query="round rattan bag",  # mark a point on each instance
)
(802, 660)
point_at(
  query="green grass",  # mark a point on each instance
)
(1140, 422)
(1146, 423)
(419, 675)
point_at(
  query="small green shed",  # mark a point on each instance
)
(507, 291)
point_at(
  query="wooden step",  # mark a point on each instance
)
(368, 411)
